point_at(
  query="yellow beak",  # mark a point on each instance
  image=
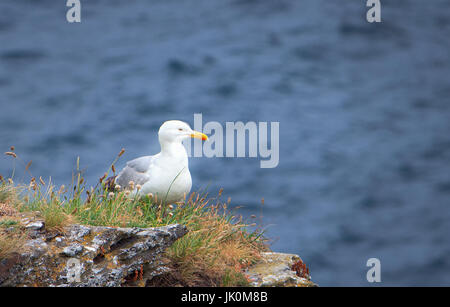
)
(199, 135)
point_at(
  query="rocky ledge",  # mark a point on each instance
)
(90, 256)
(279, 270)
(94, 256)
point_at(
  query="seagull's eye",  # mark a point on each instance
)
(180, 129)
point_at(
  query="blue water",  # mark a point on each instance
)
(364, 114)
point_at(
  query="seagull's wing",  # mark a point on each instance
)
(141, 164)
(136, 170)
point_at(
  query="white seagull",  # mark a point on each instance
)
(165, 175)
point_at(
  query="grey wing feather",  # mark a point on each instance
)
(135, 171)
(140, 164)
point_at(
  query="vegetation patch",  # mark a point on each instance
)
(215, 251)
(11, 242)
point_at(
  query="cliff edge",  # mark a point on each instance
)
(97, 256)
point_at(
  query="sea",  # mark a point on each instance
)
(363, 112)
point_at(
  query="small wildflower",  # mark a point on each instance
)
(131, 184)
(121, 152)
(170, 214)
(12, 148)
(117, 187)
(111, 194)
(113, 168)
(170, 207)
(127, 193)
(10, 181)
(138, 187)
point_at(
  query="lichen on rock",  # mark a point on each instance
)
(88, 255)
(276, 270)
(99, 256)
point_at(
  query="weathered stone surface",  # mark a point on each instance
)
(88, 256)
(36, 225)
(72, 250)
(275, 270)
(94, 256)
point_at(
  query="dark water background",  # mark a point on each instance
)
(364, 113)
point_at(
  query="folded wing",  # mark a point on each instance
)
(136, 170)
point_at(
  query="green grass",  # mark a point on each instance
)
(8, 223)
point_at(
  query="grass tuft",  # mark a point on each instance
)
(11, 242)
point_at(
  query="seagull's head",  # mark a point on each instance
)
(177, 131)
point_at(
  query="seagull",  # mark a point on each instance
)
(165, 175)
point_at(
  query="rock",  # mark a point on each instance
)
(36, 225)
(89, 256)
(80, 256)
(276, 270)
(72, 250)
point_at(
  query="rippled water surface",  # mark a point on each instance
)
(364, 113)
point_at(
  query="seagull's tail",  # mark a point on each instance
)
(110, 183)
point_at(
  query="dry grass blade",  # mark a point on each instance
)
(27, 167)
(11, 243)
(7, 210)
